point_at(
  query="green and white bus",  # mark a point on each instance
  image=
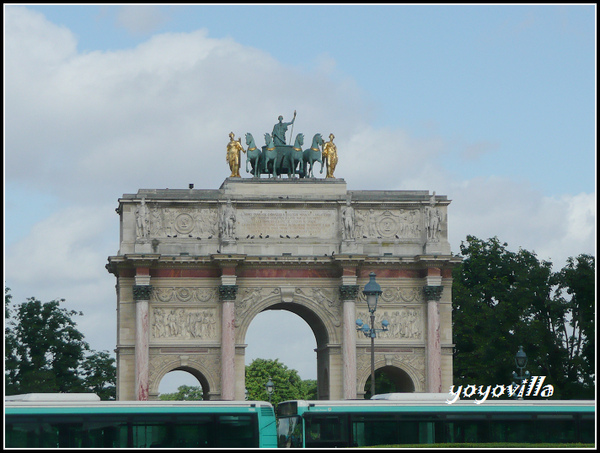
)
(82, 421)
(423, 420)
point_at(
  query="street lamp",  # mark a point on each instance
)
(269, 386)
(521, 363)
(372, 292)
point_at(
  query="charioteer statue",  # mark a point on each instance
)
(280, 129)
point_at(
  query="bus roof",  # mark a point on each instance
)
(53, 397)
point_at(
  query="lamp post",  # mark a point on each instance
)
(372, 292)
(269, 386)
(521, 363)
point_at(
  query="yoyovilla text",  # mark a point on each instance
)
(528, 388)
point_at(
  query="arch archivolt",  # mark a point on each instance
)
(307, 302)
(412, 364)
(199, 366)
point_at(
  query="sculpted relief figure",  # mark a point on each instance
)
(280, 129)
(348, 221)
(434, 219)
(234, 155)
(228, 221)
(330, 156)
(142, 220)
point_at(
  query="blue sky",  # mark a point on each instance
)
(492, 105)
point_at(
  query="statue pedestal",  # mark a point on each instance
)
(351, 246)
(284, 188)
(437, 248)
(228, 246)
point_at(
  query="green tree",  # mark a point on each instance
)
(503, 299)
(184, 393)
(575, 328)
(286, 382)
(100, 375)
(45, 353)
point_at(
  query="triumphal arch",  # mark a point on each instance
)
(196, 266)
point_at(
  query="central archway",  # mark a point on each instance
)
(319, 330)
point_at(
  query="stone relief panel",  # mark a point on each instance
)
(159, 222)
(389, 224)
(184, 324)
(184, 294)
(404, 323)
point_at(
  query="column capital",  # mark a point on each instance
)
(142, 292)
(348, 292)
(227, 292)
(433, 292)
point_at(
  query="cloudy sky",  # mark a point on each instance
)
(493, 106)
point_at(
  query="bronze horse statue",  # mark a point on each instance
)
(312, 155)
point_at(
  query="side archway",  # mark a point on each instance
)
(195, 367)
(400, 376)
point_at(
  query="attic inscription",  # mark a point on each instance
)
(275, 223)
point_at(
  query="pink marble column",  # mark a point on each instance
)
(227, 294)
(141, 295)
(348, 295)
(434, 350)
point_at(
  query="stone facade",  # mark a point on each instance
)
(195, 267)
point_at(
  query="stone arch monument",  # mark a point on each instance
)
(195, 267)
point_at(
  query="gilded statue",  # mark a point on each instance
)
(234, 155)
(330, 156)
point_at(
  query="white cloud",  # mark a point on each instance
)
(140, 19)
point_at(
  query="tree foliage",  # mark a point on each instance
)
(184, 393)
(503, 299)
(45, 353)
(287, 384)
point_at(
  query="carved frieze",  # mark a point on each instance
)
(388, 224)
(404, 323)
(158, 222)
(184, 324)
(184, 294)
(397, 294)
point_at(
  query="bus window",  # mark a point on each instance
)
(237, 431)
(388, 430)
(326, 430)
(289, 432)
(22, 433)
